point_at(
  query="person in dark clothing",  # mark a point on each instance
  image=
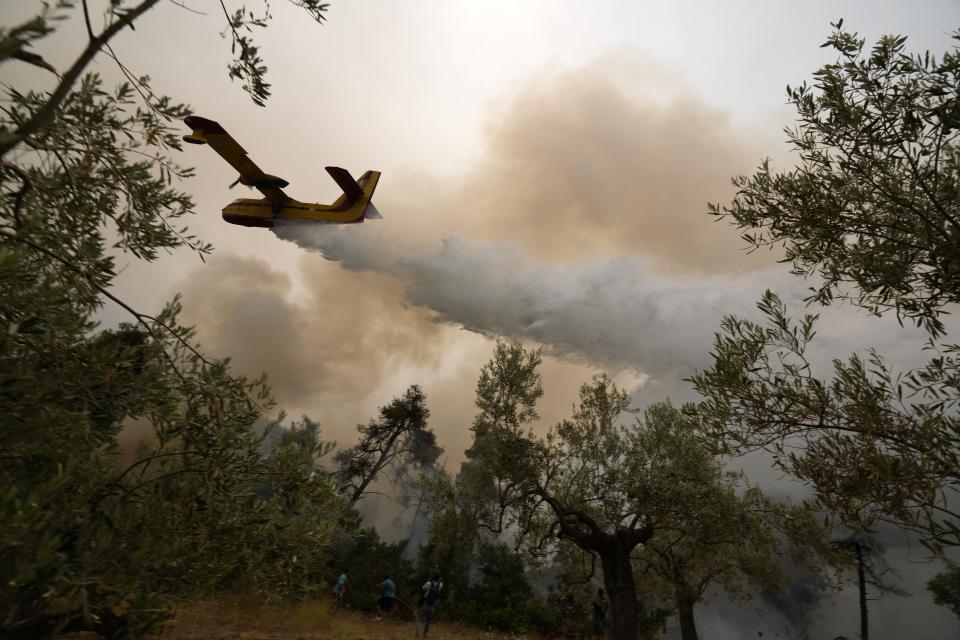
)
(599, 614)
(428, 603)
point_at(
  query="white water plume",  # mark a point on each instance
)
(621, 314)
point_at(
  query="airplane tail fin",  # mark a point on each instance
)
(357, 192)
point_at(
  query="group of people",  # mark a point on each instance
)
(426, 604)
(571, 612)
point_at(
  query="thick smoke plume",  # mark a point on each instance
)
(587, 198)
(337, 343)
(620, 314)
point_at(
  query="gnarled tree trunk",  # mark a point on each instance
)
(620, 587)
(688, 626)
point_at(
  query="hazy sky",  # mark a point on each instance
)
(546, 168)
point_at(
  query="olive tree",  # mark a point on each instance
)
(619, 492)
(872, 211)
(95, 537)
(876, 446)
(872, 208)
(721, 531)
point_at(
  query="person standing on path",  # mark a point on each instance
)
(389, 590)
(340, 588)
(428, 603)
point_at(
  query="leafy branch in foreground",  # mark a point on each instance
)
(876, 446)
(873, 209)
(83, 548)
(15, 42)
(101, 536)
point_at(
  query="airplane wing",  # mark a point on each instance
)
(209, 132)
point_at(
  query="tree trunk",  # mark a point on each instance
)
(386, 454)
(864, 630)
(688, 627)
(618, 581)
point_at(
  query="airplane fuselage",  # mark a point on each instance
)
(250, 212)
(260, 212)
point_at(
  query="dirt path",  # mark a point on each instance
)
(311, 621)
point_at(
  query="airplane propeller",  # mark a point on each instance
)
(235, 182)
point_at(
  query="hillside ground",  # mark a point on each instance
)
(246, 619)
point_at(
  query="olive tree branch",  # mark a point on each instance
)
(190, 9)
(86, 20)
(148, 321)
(45, 113)
(18, 195)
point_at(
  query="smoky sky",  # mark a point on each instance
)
(342, 335)
(580, 169)
(587, 199)
(576, 221)
(612, 159)
(582, 228)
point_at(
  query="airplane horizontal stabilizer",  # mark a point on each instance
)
(202, 127)
(345, 181)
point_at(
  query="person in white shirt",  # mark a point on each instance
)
(428, 603)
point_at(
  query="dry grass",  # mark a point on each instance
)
(248, 618)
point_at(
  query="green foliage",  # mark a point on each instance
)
(508, 389)
(367, 562)
(501, 597)
(97, 536)
(578, 481)
(452, 537)
(646, 498)
(96, 540)
(529, 616)
(15, 40)
(501, 577)
(398, 441)
(878, 447)
(101, 160)
(872, 210)
(874, 201)
(248, 66)
(712, 528)
(945, 587)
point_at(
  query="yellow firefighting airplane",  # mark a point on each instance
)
(353, 206)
